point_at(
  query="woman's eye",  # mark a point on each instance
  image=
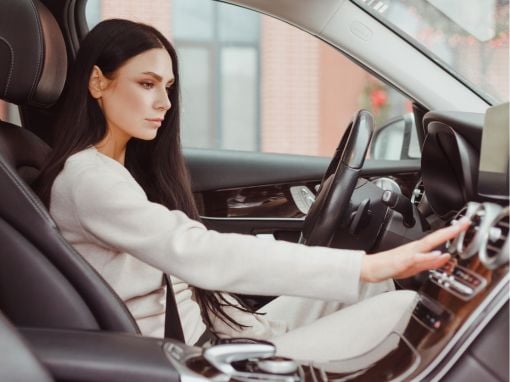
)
(147, 85)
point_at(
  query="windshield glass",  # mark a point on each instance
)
(468, 37)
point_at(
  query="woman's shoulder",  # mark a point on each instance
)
(90, 179)
(91, 161)
(90, 168)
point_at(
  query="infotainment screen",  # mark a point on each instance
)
(494, 158)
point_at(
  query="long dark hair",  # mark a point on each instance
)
(158, 164)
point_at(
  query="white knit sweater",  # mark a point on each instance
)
(105, 214)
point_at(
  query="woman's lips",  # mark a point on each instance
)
(155, 121)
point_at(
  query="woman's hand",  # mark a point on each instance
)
(411, 258)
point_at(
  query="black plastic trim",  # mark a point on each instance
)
(223, 169)
(488, 355)
(101, 357)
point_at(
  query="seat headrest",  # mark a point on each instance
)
(33, 59)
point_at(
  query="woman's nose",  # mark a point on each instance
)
(163, 103)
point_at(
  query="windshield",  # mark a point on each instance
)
(467, 37)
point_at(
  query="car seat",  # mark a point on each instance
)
(44, 282)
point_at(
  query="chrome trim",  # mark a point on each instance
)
(458, 244)
(395, 187)
(416, 363)
(465, 327)
(502, 257)
(486, 212)
(491, 210)
(222, 356)
(177, 355)
(252, 219)
(454, 285)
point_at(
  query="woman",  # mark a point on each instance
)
(117, 187)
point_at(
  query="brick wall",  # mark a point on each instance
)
(289, 89)
(309, 91)
(157, 14)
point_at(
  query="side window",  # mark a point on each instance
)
(396, 139)
(9, 112)
(250, 82)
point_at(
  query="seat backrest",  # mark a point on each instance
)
(44, 282)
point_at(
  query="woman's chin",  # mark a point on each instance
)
(148, 135)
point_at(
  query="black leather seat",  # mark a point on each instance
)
(43, 281)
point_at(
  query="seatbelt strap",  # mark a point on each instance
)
(173, 327)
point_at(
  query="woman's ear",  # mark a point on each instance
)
(97, 82)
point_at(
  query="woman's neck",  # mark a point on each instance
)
(113, 150)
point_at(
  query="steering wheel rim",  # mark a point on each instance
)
(339, 182)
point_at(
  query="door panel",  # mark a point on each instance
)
(260, 193)
(225, 169)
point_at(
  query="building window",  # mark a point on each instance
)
(219, 51)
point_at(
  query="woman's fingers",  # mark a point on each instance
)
(425, 261)
(441, 236)
(432, 260)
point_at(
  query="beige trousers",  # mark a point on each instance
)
(322, 331)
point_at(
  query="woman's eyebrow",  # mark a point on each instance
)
(158, 77)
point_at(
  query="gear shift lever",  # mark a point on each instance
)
(221, 356)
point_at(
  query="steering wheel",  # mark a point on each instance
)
(338, 183)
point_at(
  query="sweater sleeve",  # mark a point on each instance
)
(115, 212)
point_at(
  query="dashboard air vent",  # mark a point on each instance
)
(452, 247)
(464, 242)
(468, 243)
(494, 250)
(460, 214)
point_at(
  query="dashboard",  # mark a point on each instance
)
(457, 168)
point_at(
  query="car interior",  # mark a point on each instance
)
(59, 320)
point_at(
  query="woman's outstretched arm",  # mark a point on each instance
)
(114, 213)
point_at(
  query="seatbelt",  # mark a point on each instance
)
(173, 327)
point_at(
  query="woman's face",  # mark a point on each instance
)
(135, 100)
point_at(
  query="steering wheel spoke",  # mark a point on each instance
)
(331, 205)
